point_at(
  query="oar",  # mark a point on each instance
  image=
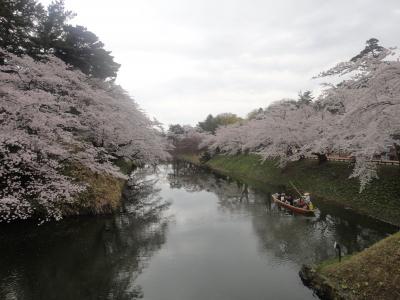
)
(296, 189)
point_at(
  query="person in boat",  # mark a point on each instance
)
(302, 203)
(307, 200)
(282, 198)
(290, 199)
(285, 199)
(307, 197)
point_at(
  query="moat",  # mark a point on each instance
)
(186, 233)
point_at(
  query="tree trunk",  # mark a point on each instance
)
(322, 158)
(397, 149)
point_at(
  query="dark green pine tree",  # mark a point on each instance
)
(27, 28)
(209, 124)
(18, 25)
(51, 28)
(305, 98)
(82, 49)
(372, 47)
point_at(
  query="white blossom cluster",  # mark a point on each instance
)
(52, 116)
(359, 117)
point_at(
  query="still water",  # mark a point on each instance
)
(184, 234)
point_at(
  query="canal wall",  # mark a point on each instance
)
(330, 181)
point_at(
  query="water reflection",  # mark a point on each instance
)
(227, 241)
(85, 258)
(291, 237)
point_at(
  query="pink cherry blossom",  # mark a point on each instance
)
(52, 116)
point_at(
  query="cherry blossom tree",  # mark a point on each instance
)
(357, 116)
(369, 104)
(52, 116)
(185, 139)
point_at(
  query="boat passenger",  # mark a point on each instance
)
(290, 199)
(307, 197)
(302, 203)
(308, 202)
(285, 199)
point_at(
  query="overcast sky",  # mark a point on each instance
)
(184, 59)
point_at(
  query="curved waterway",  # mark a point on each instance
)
(184, 234)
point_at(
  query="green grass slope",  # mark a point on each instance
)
(371, 274)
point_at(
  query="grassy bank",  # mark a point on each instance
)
(381, 199)
(103, 194)
(371, 274)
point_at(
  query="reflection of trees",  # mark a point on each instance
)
(184, 173)
(85, 258)
(308, 240)
(296, 238)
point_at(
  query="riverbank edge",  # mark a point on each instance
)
(373, 273)
(335, 187)
(320, 285)
(103, 194)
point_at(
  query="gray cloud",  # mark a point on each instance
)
(183, 59)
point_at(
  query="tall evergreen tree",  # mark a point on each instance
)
(372, 47)
(83, 49)
(52, 26)
(18, 24)
(305, 98)
(27, 28)
(209, 124)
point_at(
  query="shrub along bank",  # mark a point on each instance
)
(329, 181)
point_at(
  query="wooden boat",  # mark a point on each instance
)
(293, 208)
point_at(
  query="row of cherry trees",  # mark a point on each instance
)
(52, 117)
(360, 116)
